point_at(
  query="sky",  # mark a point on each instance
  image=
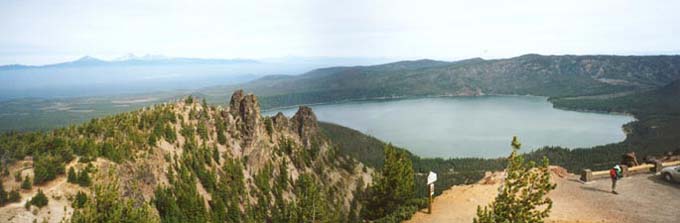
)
(41, 32)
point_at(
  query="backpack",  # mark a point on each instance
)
(613, 173)
(616, 172)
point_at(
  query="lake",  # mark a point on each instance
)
(472, 126)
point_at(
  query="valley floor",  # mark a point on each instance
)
(642, 198)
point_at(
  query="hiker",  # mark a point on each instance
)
(615, 174)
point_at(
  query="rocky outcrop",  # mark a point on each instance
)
(250, 112)
(280, 121)
(246, 111)
(235, 103)
(305, 124)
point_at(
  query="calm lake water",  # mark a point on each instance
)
(472, 126)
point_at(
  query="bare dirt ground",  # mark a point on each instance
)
(58, 192)
(642, 198)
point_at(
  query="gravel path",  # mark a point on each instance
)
(642, 198)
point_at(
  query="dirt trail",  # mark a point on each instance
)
(642, 198)
(57, 208)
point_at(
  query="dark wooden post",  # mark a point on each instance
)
(624, 170)
(658, 165)
(430, 191)
(586, 175)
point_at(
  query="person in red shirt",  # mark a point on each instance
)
(616, 174)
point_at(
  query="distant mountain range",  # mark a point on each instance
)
(89, 76)
(553, 76)
(131, 59)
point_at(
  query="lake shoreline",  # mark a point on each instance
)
(511, 102)
(397, 98)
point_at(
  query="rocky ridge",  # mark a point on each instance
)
(291, 146)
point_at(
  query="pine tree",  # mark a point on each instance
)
(393, 187)
(170, 134)
(310, 205)
(216, 154)
(17, 176)
(152, 140)
(39, 200)
(181, 201)
(72, 176)
(84, 179)
(107, 205)
(3, 196)
(166, 205)
(221, 138)
(269, 125)
(202, 130)
(14, 196)
(220, 129)
(80, 200)
(523, 195)
(27, 184)
(46, 168)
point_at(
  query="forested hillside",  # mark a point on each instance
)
(451, 171)
(529, 74)
(656, 131)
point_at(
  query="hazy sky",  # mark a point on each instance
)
(38, 32)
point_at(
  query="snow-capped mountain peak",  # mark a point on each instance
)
(147, 57)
